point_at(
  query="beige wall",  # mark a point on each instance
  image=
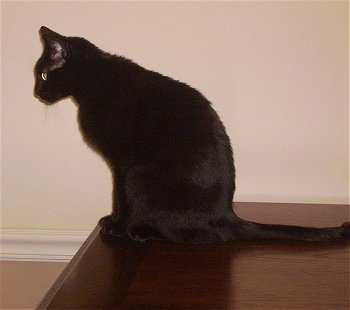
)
(277, 73)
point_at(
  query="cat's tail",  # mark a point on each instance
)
(245, 230)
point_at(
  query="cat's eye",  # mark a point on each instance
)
(44, 76)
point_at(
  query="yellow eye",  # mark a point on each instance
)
(44, 76)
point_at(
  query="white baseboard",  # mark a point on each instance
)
(40, 245)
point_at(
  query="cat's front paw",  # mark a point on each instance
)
(144, 233)
(346, 230)
(110, 228)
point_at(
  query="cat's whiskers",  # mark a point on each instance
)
(51, 112)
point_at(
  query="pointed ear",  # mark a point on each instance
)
(56, 44)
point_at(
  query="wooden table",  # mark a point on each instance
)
(239, 275)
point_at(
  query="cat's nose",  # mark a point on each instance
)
(37, 94)
(36, 89)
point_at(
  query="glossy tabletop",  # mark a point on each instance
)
(238, 275)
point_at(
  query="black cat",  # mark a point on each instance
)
(169, 153)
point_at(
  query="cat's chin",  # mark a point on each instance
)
(48, 101)
(43, 100)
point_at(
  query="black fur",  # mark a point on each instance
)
(169, 153)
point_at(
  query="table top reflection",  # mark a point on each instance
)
(238, 275)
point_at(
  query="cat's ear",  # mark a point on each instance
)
(56, 44)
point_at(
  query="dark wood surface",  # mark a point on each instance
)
(239, 275)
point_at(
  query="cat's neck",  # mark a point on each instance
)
(102, 78)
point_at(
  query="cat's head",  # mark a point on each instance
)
(59, 69)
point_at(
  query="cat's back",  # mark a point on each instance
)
(176, 106)
(144, 110)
